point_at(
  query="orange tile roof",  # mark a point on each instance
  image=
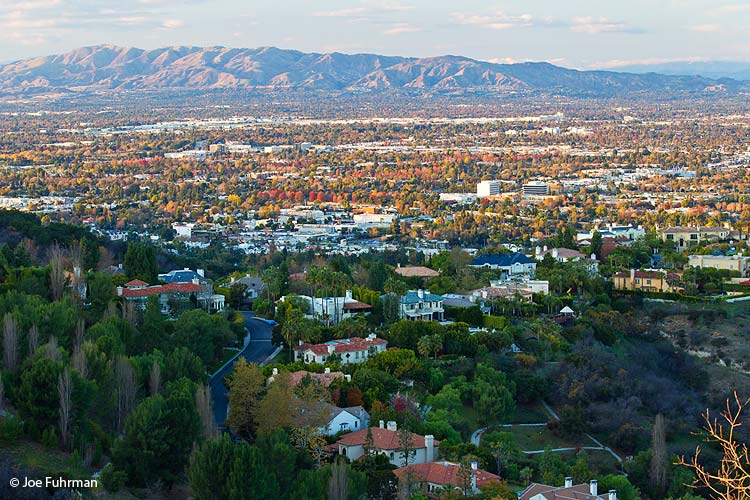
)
(159, 289)
(444, 473)
(383, 439)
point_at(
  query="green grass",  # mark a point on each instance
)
(229, 353)
(539, 438)
(529, 414)
(52, 462)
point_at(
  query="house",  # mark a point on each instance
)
(333, 310)
(254, 286)
(421, 305)
(563, 255)
(353, 350)
(628, 232)
(385, 441)
(536, 491)
(648, 281)
(416, 272)
(138, 292)
(511, 264)
(435, 479)
(686, 236)
(521, 293)
(348, 419)
(184, 276)
(736, 263)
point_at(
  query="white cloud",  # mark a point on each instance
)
(706, 28)
(172, 24)
(354, 11)
(596, 25)
(399, 28)
(497, 21)
(620, 63)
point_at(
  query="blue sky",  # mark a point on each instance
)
(580, 33)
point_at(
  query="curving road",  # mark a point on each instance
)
(257, 350)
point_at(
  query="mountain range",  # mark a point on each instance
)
(108, 67)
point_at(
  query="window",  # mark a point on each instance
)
(344, 426)
(637, 281)
(693, 236)
(648, 282)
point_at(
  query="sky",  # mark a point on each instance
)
(574, 33)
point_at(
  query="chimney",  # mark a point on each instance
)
(348, 295)
(612, 494)
(201, 273)
(119, 291)
(593, 487)
(392, 425)
(538, 251)
(555, 253)
(327, 370)
(545, 248)
(275, 371)
(382, 424)
(429, 444)
(331, 349)
(568, 482)
(632, 274)
(299, 342)
(420, 293)
(348, 377)
(474, 465)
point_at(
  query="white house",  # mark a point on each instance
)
(614, 231)
(421, 305)
(385, 441)
(333, 310)
(348, 419)
(727, 262)
(352, 350)
(511, 264)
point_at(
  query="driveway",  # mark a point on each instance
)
(257, 350)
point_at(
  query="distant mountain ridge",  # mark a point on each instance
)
(108, 67)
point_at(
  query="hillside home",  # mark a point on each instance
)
(385, 441)
(736, 263)
(421, 305)
(536, 491)
(511, 264)
(687, 236)
(435, 479)
(352, 350)
(648, 281)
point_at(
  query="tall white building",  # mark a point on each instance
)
(488, 188)
(536, 188)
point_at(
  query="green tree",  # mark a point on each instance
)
(159, 435)
(208, 468)
(140, 262)
(245, 386)
(202, 333)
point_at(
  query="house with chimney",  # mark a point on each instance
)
(385, 441)
(137, 292)
(564, 255)
(569, 491)
(649, 281)
(333, 310)
(687, 236)
(349, 351)
(421, 305)
(435, 479)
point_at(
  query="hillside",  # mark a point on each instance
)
(107, 67)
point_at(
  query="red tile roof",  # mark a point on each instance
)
(577, 492)
(325, 379)
(356, 305)
(444, 473)
(159, 289)
(382, 439)
(136, 282)
(345, 345)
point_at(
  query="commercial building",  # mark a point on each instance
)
(488, 188)
(536, 188)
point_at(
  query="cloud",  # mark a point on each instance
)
(171, 24)
(649, 61)
(354, 11)
(497, 21)
(400, 28)
(732, 8)
(595, 25)
(706, 28)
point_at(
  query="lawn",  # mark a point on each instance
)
(229, 353)
(529, 414)
(539, 438)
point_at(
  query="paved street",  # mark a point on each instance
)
(256, 351)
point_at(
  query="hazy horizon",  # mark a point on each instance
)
(586, 35)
